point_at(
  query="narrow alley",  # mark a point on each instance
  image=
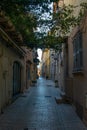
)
(37, 109)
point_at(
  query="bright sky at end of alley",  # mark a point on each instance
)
(39, 51)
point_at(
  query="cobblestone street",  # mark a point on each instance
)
(37, 109)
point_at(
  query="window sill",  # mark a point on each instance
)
(79, 72)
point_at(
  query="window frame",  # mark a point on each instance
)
(78, 52)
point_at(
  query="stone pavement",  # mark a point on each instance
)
(37, 109)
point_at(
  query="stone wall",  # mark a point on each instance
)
(7, 58)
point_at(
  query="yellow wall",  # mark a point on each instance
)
(75, 3)
(46, 62)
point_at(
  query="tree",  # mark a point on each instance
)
(61, 24)
(27, 16)
(24, 21)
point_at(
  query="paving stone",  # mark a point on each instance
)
(37, 109)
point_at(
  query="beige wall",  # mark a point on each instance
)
(7, 58)
(29, 61)
(61, 70)
(46, 62)
(70, 56)
(79, 79)
(0, 89)
(75, 3)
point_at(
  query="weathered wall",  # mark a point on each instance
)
(79, 78)
(46, 63)
(7, 57)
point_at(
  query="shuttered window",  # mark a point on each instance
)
(77, 52)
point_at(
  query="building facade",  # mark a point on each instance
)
(77, 70)
(72, 73)
(75, 64)
(17, 65)
(12, 73)
(46, 63)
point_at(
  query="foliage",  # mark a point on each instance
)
(62, 23)
(59, 26)
(27, 15)
(23, 20)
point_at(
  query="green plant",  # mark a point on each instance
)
(26, 21)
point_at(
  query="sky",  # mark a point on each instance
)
(39, 51)
(44, 28)
(43, 16)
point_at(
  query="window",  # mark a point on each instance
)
(77, 52)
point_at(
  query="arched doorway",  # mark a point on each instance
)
(16, 78)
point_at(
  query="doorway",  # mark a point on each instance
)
(16, 78)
